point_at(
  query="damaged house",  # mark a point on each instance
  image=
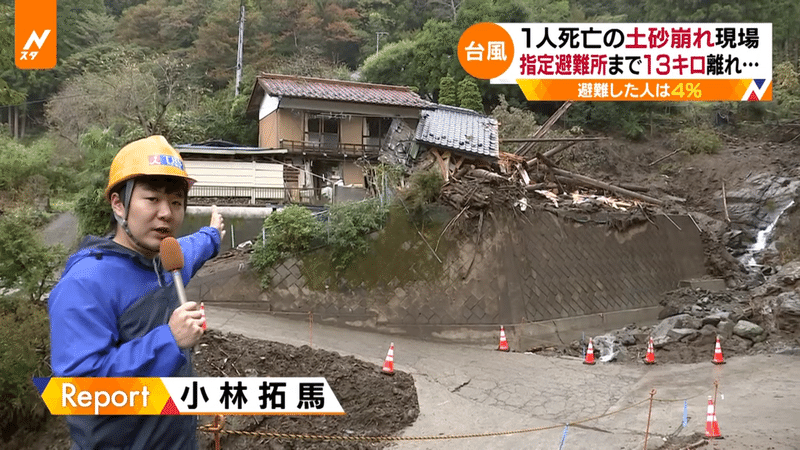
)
(455, 138)
(326, 128)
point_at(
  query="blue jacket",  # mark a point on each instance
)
(109, 317)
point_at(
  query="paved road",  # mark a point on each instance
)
(466, 390)
(62, 230)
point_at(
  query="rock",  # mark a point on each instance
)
(725, 328)
(706, 336)
(682, 334)
(789, 303)
(625, 336)
(668, 311)
(661, 331)
(715, 318)
(748, 330)
(789, 273)
(692, 322)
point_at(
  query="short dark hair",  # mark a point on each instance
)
(171, 185)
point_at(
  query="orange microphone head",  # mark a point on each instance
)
(171, 254)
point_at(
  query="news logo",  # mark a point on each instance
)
(35, 34)
(188, 395)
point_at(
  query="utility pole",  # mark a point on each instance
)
(378, 40)
(239, 50)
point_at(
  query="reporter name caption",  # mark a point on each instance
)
(188, 395)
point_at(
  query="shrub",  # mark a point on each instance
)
(288, 232)
(424, 188)
(349, 224)
(698, 139)
(24, 351)
(25, 262)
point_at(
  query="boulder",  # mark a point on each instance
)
(789, 273)
(789, 303)
(661, 331)
(748, 330)
(682, 334)
(715, 318)
(725, 328)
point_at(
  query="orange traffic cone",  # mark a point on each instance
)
(203, 315)
(388, 365)
(651, 355)
(718, 354)
(503, 342)
(589, 353)
(712, 427)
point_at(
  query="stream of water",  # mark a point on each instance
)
(763, 237)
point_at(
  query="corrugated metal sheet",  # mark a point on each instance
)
(347, 91)
(459, 129)
(235, 173)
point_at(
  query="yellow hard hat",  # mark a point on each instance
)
(149, 156)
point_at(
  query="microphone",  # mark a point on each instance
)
(172, 258)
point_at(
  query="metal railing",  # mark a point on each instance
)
(330, 149)
(305, 196)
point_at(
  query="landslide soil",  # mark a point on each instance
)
(380, 405)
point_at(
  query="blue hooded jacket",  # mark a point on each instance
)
(109, 317)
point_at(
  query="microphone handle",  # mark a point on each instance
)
(176, 274)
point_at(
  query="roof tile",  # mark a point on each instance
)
(459, 129)
(348, 91)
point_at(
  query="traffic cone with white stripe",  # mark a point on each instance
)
(712, 427)
(203, 315)
(388, 364)
(650, 358)
(503, 347)
(718, 359)
(589, 353)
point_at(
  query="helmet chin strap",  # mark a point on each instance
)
(126, 201)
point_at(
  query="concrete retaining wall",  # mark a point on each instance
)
(543, 275)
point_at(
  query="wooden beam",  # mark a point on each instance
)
(586, 181)
(554, 139)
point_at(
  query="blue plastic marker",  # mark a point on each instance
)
(563, 437)
(685, 413)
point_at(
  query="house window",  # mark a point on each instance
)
(377, 127)
(324, 132)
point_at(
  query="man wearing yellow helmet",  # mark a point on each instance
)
(115, 311)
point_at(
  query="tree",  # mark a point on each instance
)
(447, 91)
(139, 99)
(8, 96)
(393, 65)
(469, 96)
(25, 262)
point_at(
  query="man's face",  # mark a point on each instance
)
(154, 215)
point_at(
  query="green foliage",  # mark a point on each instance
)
(514, 123)
(423, 190)
(349, 225)
(698, 139)
(25, 262)
(99, 148)
(469, 96)
(8, 96)
(610, 117)
(289, 232)
(447, 91)
(18, 163)
(786, 92)
(383, 67)
(25, 351)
